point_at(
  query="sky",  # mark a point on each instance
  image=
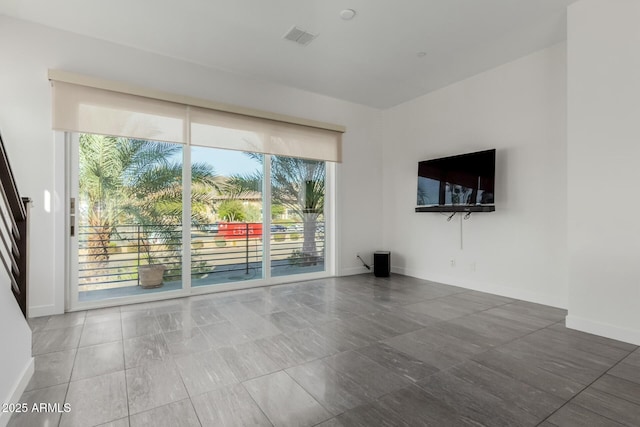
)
(224, 162)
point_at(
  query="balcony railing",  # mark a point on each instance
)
(109, 257)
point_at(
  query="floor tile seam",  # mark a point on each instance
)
(166, 341)
(616, 363)
(126, 387)
(582, 390)
(100, 343)
(221, 357)
(219, 387)
(522, 336)
(124, 365)
(500, 373)
(560, 340)
(213, 323)
(440, 402)
(393, 329)
(57, 329)
(582, 408)
(444, 334)
(238, 380)
(184, 385)
(487, 309)
(54, 351)
(169, 358)
(261, 375)
(264, 414)
(513, 300)
(49, 386)
(579, 353)
(516, 301)
(75, 356)
(194, 411)
(618, 376)
(615, 395)
(438, 321)
(546, 357)
(322, 359)
(399, 351)
(482, 389)
(64, 399)
(522, 321)
(155, 407)
(312, 396)
(487, 338)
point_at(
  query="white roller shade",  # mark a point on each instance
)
(85, 109)
(89, 105)
(219, 129)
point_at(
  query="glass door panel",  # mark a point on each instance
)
(297, 216)
(227, 221)
(128, 217)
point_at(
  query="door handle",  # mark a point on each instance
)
(72, 216)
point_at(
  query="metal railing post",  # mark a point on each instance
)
(138, 275)
(247, 248)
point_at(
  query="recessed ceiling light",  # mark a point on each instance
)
(348, 14)
(421, 54)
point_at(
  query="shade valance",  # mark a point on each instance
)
(88, 105)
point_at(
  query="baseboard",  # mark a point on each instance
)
(353, 271)
(18, 389)
(631, 336)
(44, 310)
(519, 294)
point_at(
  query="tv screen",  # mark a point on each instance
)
(467, 179)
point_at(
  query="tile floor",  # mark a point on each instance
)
(353, 351)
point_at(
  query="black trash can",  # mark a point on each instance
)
(382, 263)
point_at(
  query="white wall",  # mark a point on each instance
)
(603, 172)
(519, 250)
(16, 363)
(28, 50)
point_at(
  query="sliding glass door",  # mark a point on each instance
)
(143, 227)
(126, 215)
(298, 215)
(227, 233)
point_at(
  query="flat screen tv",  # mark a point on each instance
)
(463, 180)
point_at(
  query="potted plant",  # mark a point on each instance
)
(150, 275)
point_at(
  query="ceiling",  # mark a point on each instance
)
(370, 60)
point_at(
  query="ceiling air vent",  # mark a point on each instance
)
(299, 36)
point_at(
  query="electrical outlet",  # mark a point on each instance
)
(452, 262)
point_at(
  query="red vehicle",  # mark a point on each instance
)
(238, 230)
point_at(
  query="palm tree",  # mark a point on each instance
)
(297, 184)
(130, 180)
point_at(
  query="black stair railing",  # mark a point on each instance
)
(13, 231)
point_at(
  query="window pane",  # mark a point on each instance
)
(129, 214)
(297, 213)
(226, 229)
